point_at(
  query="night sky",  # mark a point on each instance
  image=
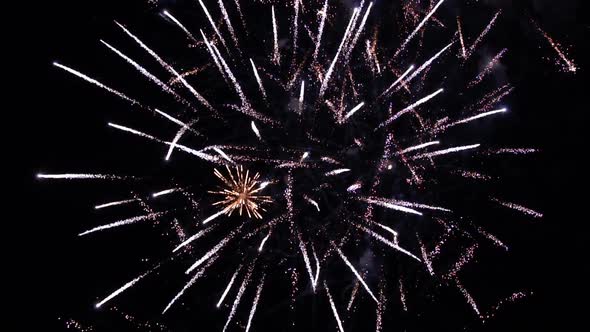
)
(61, 127)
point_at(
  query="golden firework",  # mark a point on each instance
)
(241, 192)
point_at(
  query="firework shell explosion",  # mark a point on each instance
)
(343, 155)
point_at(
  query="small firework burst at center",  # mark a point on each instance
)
(241, 192)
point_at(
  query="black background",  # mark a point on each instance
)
(61, 126)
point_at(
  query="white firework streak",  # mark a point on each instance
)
(255, 303)
(239, 8)
(258, 79)
(171, 118)
(210, 253)
(337, 171)
(301, 93)
(469, 299)
(483, 34)
(358, 276)
(399, 79)
(307, 262)
(487, 69)
(356, 108)
(102, 206)
(255, 130)
(425, 257)
(199, 154)
(355, 290)
(317, 266)
(571, 66)
(414, 205)
(148, 75)
(420, 25)
(424, 66)
(295, 25)
(174, 142)
(97, 83)
(304, 156)
(276, 57)
(228, 71)
(228, 22)
(465, 258)
(518, 207)
(239, 296)
(228, 287)
(76, 176)
(418, 147)
(464, 53)
(493, 238)
(513, 151)
(409, 108)
(390, 205)
(191, 282)
(168, 67)
(165, 192)
(121, 289)
(212, 53)
(402, 295)
(387, 242)
(446, 151)
(263, 242)
(354, 187)
(312, 202)
(213, 216)
(223, 155)
(213, 24)
(475, 117)
(324, 13)
(331, 68)
(177, 22)
(333, 307)
(127, 221)
(389, 229)
(358, 33)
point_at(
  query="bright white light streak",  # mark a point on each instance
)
(165, 192)
(228, 287)
(192, 238)
(307, 262)
(255, 303)
(420, 146)
(314, 203)
(263, 242)
(228, 22)
(338, 171)
(358, 276)
(479, 116)
(258, 79)
(171, 118)
(399, 79)
(387, 242)
(238, 297)
(276, 57)
(120, 290)
(212, 23)
(302, 92)
(420, 25)
(208, 255)
(214, 216)
(409, 108)
(358, 32)
(97, 83)
(333, 307)
(354, 187)
(75, 176)
(356, 108)
(424, 65)
(446, 151)
(391, 206)
(223, 155)
(177, 22)
(123, 222)
(189, 284)
(255, 130)
(331, 68)
(212, 53)
(520, 208)
(323, 13)
(317, 266)
(305, 155)
(102, 206)
(174, 142)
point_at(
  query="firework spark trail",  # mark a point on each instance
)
(355, 290)
(354, 187)
(513, 151)
(97, 83)
(465, 258)
(520, 208)
(228, 22)
(464, 53)
(258, 79)
(148, 75)
(326, 79)
(191, 282)
(512, 298)
(388, 229)
(174, 142)
(213, 55)
(210, 253)
(323, 13)
(407, 204)
(381, 306)
(423, 67)
(255, 303)
(333, 307)
(492, 238)
(402, 295)
(213, 24)
(489, 67)
(472, 175)
(469, 299)
(168, 67)
(301, 94)
(358, 34)
(239, 8)
(446, 151)
(358, 276)
(165, 192)
(418, 147)
(295, 28)
(307, 262)
(223, 155)
(317, 265)
(239, 295)
(264, 241)
(228, 287)
(127, 221)
(125, 287)
(213, 216)
(483, 34)
(356, 108)
(175, 120)
(571, 66)
(76, 176)
(409, 108)
(402, 47)
(312, 202)
(387, 242)
(255, 130)
(390, 205)
(177, 22)
(398, 80)
(475, 117)
(199, 154)
(425, 257)
(102, 206)
(337, 171)
(276, 57)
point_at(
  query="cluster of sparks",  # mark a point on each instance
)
(327, 85)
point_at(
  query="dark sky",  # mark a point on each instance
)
(61, 126)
